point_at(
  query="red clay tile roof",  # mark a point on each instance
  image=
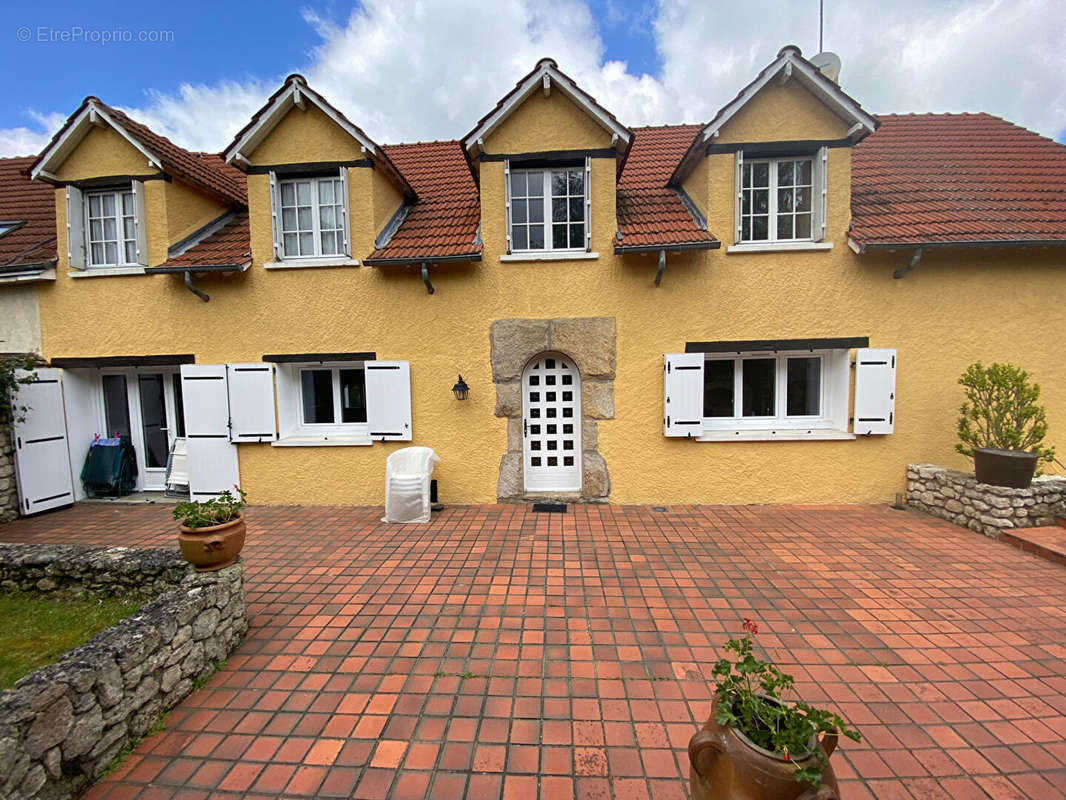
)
(230, 245)
(33, 204)
(444, 221)
(956, 178)
(650, 213)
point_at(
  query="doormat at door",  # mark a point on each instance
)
(550, 508)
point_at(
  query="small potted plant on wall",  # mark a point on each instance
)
(757, 744)
(211, 533)
(1001, 426)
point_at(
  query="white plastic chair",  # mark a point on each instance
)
(177, 475)
(407, 475)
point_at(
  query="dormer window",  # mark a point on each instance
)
(111, 228)
(312, 217)
(548, 209)
(777, 200)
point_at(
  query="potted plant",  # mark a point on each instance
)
(211, 533)
(757, 743)
(1001, 426)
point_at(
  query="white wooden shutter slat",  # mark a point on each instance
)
(875, 391)
(683, 394)
(738, 196)
(507, 199)
(75, 228)
(251, 402)
(346, 227)
(588, 204)
(212, 458)
(388, 400)
(275, 215)
(140, 223)
(42, 466)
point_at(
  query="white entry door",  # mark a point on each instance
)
(551, 425)
(145, 406)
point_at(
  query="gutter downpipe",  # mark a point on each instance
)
(425, 278)
(188, 285)
(662, 267)
(899, 273)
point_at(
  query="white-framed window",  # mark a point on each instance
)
(761, 391)
(548, 209)
(312, 217)
(777, 200)
(111, 228)
(333, 396)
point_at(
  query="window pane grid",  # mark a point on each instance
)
(111, 229)
(776, 198)
(312, 217)
(548, 209)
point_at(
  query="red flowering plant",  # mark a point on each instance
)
(753, 699)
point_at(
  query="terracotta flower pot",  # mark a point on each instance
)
(726, 765)
(1012, 468)
(213, 547)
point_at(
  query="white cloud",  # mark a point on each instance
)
(407, 70)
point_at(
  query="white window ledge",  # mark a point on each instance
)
(105, 272)
(323, 441)
(551, 255)
(777, 247)
(311, 263)
(784, 435)
(31, 276)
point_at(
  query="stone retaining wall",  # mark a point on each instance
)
(9, 498)
(959, 498)
(63, 724)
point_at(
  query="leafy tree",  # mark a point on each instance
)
(1000, 411)
(10, 411)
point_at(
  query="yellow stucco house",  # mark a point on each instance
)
(770, 307)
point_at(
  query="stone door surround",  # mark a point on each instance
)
(592, 343)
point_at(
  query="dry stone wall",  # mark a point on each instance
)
(959, 498)
(63, 724)
(9, 500)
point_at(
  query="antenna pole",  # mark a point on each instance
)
(821, 23)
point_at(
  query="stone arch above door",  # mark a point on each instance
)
(592, 343)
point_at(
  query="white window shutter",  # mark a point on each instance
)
(140, 223)
(251, 402)
(388, 400)
(75, 228)
(738, 196)
(42, 466)
(507, 199)
(683, 394)
(875, 391)
(212, 458)
(588, 204)
(344, 210)
(821, 164)
(275, 215)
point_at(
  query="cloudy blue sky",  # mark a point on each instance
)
(409, 70)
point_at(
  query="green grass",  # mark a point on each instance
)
(35, 630)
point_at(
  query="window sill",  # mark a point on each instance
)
(551, 255)
(311, 263)
(29, 276)
(105, 272)
(778, 247)
(784, 435)
(323, 441)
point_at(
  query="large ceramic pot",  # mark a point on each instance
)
(726, 765)
(213, 547)
(1013, 468)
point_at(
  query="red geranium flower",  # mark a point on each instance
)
(750, 626)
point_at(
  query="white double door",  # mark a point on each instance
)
(145, 405)
(551, 425)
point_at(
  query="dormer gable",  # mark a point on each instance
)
(257, 142)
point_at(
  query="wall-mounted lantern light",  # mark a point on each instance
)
(461, 390)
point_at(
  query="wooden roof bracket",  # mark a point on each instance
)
(899, 273)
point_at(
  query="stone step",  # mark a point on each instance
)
(1047, 542)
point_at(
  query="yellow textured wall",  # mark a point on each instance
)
(957, 307)
(188, 210)
(103, 152)
(547, 123)
(777, 113)
(305, 136)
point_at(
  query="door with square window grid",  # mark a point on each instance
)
(551, 425)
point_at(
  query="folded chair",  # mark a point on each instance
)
(407, 476)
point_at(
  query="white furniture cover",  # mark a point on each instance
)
(407, 475)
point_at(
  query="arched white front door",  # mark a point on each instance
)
(551, 424)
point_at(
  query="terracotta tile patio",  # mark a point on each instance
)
(497, 652)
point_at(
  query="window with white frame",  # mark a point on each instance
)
(548, 209)
(312, 217)
(111, 228)
(333, 396)
(757, 391)
(777, 200)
